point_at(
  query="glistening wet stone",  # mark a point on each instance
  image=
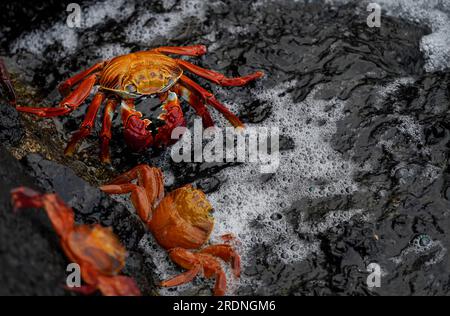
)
(394, 128)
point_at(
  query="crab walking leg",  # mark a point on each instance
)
(139, 198)
(105, 135)
(61, 216)
(196, 50)
(88, 122)
(193, 263)
(5, 82)
(150, 181)
(64, 88)
(182, 278)
(68, 104)
(212, 268)
(210, 99)
(196, 102)
(227, 254)
(173, 118)
(187, 260)
(136, 134)
(219, 78)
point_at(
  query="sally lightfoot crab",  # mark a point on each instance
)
(96, 249)
(180, 222)
(128, 77)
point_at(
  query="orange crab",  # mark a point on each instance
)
(180, 222)
(128, 77)
(96, 249)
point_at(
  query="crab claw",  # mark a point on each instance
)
(6, 84)
(173, 118)
(136, 134)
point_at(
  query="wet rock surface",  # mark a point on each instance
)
(393, 127)
(29, 248)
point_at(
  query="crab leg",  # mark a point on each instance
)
(209, 98)
(227, 254)
(105, 135)
(219, 78)
(148, 192)
(138, 197)
(173, 118)
(68, 104)
(61, 216)
(64, 88)
(196, 50)
(183, 278)
(5, 82)
(193, 262)
(187, 260)
(88, 122)
(196, 102)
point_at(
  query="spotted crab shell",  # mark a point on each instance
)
(120, 68)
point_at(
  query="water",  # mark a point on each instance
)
(363, 116)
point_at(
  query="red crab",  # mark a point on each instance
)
(180, 222)
(96, 249)
(128, 77)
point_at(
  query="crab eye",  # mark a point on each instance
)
(130, 88)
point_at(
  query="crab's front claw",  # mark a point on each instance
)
(136, 134)
(5, 83)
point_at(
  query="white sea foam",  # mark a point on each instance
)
(143, 29)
